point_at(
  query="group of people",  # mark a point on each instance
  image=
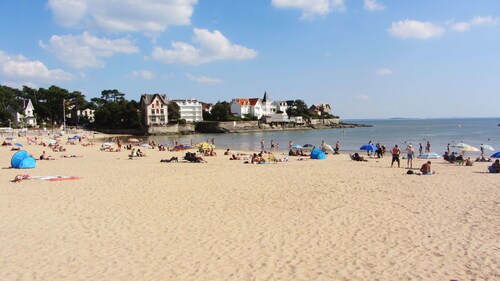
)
(136, 153)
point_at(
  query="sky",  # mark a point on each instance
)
(366, 58)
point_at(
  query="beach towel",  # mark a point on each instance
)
(20, 178)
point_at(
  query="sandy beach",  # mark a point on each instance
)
(332, 219)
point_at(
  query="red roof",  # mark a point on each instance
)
(247, 101)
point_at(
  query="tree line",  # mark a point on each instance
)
(112, 109)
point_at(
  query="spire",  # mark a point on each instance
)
(265, 97)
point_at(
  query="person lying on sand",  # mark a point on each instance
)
(234, 157)
(70, 156)
(46, 157)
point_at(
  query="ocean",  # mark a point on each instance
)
(439, 132)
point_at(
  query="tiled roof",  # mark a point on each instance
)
(148, 99)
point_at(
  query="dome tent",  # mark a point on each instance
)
(22, 160)
(318, 154)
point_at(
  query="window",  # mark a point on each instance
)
(152, 111)
(162, 111)
(162, 119)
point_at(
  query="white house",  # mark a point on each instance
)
(190, 110)
(280, 106)
(89, 113)
(321, 109)
(154, 109)
(244, 106)
(26, 115)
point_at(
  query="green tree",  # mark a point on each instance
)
(221, 111)
(298, 108)
(174, 112)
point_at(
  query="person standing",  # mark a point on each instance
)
(482, 150)
(379, 150)
(272, 145)
(262, 144)
(428, 147)
(410, 153)
(420, 148)
(396, 151)
(337, 147)
(290, 144)
(448, 148)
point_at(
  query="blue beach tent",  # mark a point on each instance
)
(318, 154)
(22, 160)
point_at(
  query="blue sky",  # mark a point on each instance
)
(366, 58)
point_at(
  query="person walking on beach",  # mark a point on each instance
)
(379, 150)
(410, 155)
(395, 155)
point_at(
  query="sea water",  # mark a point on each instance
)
(388, 132)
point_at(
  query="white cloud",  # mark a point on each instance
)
(362, 97)
(383, 72)
(148, 16)
(373, 5)
(415, 29)
(144, 74)
(213, 46)
(476, 21)
(461, 26)
(311, 8)
(480, 21)
(18, 70)
(204, 79)
(85, 50)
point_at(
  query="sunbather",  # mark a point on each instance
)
(46, 157)
(495, 167)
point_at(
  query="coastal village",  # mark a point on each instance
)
(247, 114)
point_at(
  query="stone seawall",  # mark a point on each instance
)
(214, 127)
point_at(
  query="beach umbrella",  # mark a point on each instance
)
(461, 145)
(495, 155)
(133, 140)
(146, 145)
(329, 147)
(18, 144)
(52, 141)
(297, 146)
(431, 155)
(470, 149)
(205, 145)
(11, 139)
(106, 144)
(487, 147)
(368, 147)
(308, 145)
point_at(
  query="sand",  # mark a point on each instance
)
(334, 219)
